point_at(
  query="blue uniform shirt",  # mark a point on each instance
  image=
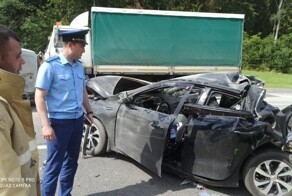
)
(65, 84)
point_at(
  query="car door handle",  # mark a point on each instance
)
(156, 125)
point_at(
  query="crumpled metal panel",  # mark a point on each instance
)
(215, 141)
(109, 85)
(214, 144)
(288, 112)
(141, 134)
(233, 80)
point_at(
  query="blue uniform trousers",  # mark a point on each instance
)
(62, 156)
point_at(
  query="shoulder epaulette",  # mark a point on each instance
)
(52, 58)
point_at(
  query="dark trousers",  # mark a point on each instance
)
(62, 156)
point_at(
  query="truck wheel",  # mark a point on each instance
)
(96, 140)
(269, 173)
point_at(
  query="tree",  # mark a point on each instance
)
(13, 13)
(33, 21)
(277, 24)
(282, 19)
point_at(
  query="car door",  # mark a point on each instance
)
(217, 140)
(141, 134)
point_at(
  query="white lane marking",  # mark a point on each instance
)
(42, 147)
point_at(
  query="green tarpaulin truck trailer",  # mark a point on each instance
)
(157, 43)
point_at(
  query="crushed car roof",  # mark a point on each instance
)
(232, 80)
(110, 85)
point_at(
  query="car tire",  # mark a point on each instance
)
(96, 141)
(267, 173)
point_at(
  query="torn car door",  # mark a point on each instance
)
(214, 143)
(141, 134)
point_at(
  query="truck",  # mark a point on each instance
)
(156, 44)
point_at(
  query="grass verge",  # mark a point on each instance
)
(272, 79)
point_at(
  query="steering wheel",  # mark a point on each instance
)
(163, 107)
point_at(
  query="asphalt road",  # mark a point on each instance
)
(115, 174)
(279, 97)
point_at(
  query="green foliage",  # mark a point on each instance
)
(285, 16)
(255, 52)
(265, 54)
(281, 60)
(13, 14)
(33, 21)
(34, 32)
(272, 79)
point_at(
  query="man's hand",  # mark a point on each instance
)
(48, 133)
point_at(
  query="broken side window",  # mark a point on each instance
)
(224, 100)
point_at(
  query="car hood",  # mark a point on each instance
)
(107, 86)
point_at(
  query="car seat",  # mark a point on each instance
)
(181, 122)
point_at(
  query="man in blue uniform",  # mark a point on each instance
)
(59, 97)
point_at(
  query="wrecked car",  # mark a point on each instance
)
(213, 128)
